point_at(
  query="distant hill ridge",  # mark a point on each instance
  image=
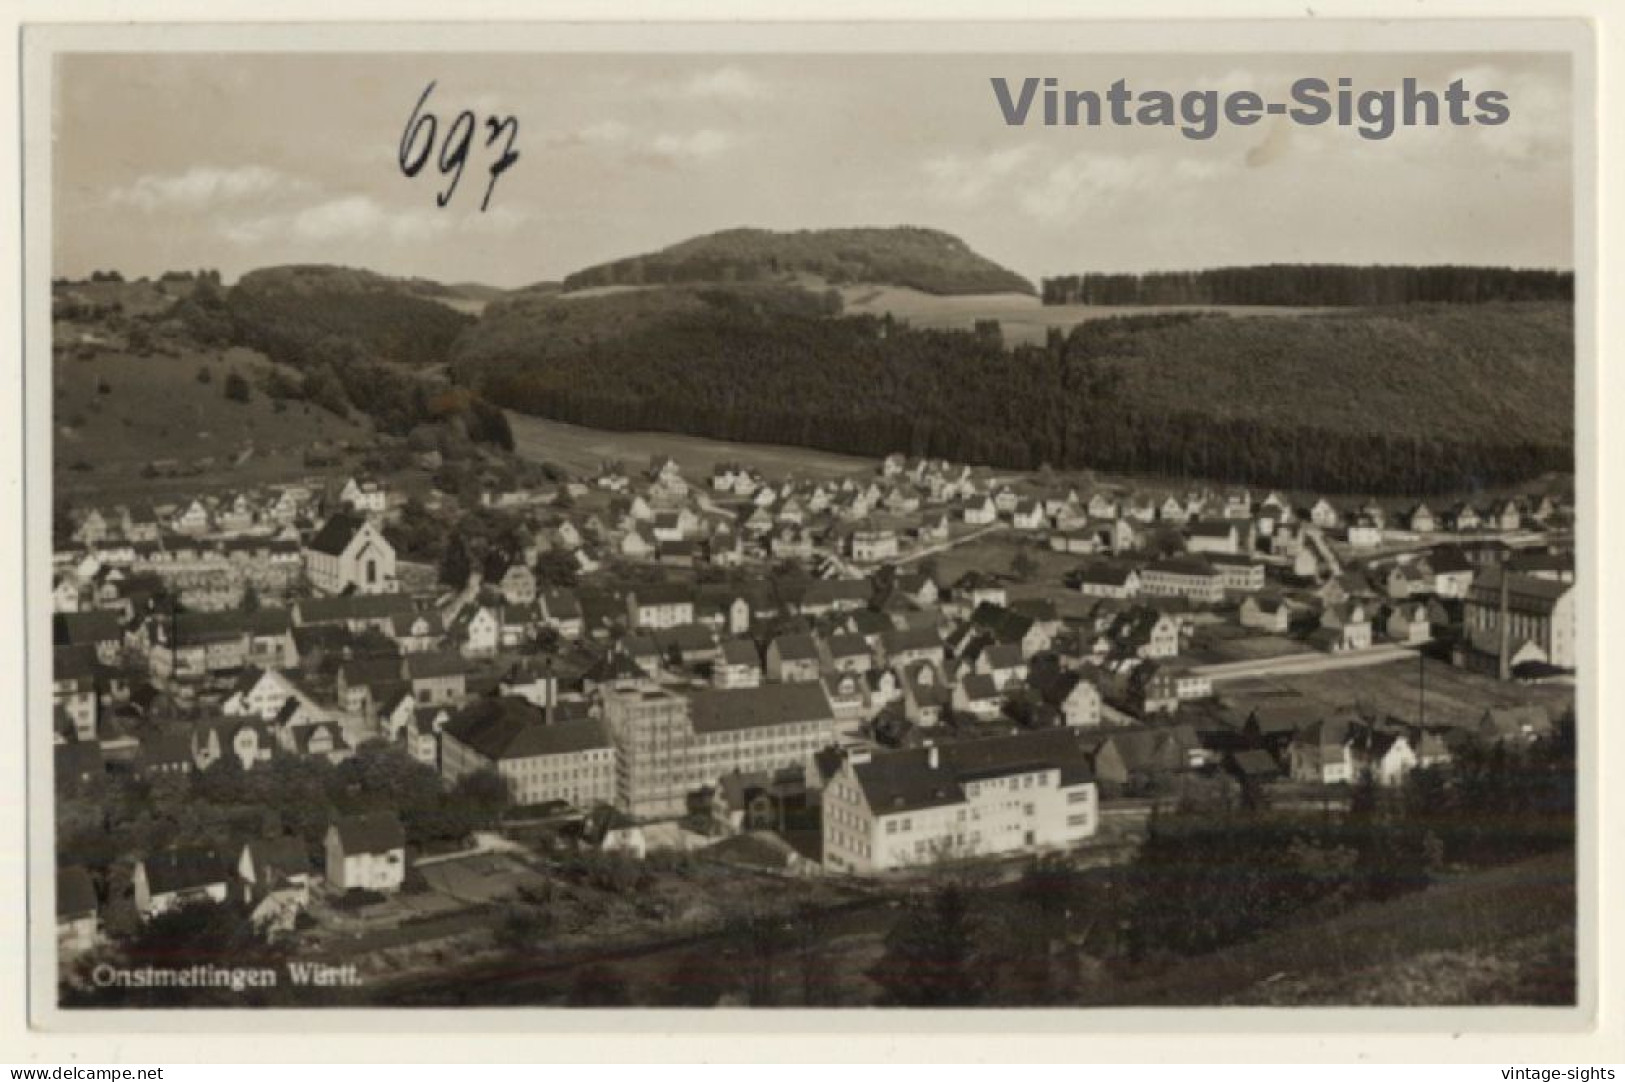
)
(925, 259)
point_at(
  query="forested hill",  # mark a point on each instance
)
(351, 336)
(1409, 399)
(924, 259)
(1319, 285)
(390, 319)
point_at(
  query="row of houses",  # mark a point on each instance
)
(274, 876)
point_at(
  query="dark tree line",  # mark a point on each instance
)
(866, 386)
(1314, 284)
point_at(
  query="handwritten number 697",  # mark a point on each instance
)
(418, 145)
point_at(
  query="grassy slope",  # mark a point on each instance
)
(1503, 936)
(1023, 320)
(157, 409)
(584, 450)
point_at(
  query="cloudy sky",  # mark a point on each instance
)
(239, 161)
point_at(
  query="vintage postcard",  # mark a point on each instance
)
(841, 519)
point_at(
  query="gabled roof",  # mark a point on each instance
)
(1211, 528)
(435, 664)
(740, 652)
(661, 594)
(378, 832)
(275, 859)
(845, 646)
(797, 647)
(1104, 574)
(979, 687)
(336, 534)
(902, 640)
(184, 869)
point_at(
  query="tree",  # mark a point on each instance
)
(1023, 566)
(205, 374)
(237, 388)
(556, 568)
(483, 794)
(200, 934)
(932, 957)
(456, 565)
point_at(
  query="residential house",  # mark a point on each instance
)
(1266, 613)
(1407, 623)
(366, 852)
(794, 658)
(247, 741)
(280, 865)
(658, 607)
(1343, 627)
(1107, 580)
(437, 678)
(739, 666)
(178, 877)
(1214, 537)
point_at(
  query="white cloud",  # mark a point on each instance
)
(729, 83)
(662, 148)
(1538, 123)
(204, 186)
(361, 217)
(962, 179)
(690, 146)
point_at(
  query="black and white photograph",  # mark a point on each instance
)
(810, 528)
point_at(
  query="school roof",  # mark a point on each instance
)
(514, 728)
(726, 710)
(902, 781)
(1183, 565)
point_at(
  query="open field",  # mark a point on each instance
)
(1454, 696)
(582, 450)
(1503, 936)
(1023, 319)
(155, 408)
